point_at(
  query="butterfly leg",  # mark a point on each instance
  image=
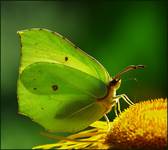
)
(117, 104)
(108, 122)
(125, 98)
(115, 109)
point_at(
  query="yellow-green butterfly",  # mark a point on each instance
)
(60, 86)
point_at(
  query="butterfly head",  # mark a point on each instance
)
(115, 83)
(116, 80)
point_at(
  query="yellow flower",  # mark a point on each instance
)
(141, 126)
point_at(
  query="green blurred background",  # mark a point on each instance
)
(117, 34)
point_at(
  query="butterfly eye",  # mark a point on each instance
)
(113, 82)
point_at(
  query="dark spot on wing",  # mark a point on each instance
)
(34, 88)
(54, 87)
(66, 58)
(42, 108)
(63, 37)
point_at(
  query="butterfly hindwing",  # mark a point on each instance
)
(54, 95)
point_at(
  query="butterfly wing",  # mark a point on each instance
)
(80, 81)
(59, 97)
(39, 45)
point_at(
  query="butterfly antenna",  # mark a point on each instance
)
(132, 67)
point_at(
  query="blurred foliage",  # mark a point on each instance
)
(117, 34)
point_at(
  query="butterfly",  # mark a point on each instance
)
(60, 86)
